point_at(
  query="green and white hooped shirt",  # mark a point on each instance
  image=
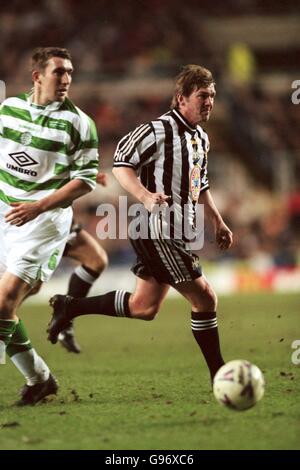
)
(42, 148)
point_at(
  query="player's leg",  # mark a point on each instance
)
(143, 304)
(39, 381)
(35, 289)
(93, 260)
(12, 290)
(203, 301)
(146, 300)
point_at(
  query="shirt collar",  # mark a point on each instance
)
(182, 121)
(49, 107)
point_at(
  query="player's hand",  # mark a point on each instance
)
(153, 200)
(22, 213)
(101, 178)
(224, 236)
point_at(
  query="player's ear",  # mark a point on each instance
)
(36, 76)
(180, 98)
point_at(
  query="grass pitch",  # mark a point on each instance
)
(144, 385)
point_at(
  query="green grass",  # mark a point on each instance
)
(143, 385)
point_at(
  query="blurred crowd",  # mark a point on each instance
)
(109, 38)
(105, 37)
(266, 130)
(254, 130)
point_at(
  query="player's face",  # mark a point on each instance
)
(55, 80)
(197, 107)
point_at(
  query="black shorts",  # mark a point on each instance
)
(169, 261)
(74, 231)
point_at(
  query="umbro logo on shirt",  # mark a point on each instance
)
(22, 159)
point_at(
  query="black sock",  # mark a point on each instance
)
(114, 304)
(205, 331)
(81, 281)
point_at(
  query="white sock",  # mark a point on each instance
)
(32, 366)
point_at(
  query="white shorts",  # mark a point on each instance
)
(32, 252)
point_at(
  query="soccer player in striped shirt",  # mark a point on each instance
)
(165, 161)
(49, 157)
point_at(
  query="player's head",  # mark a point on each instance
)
(194, 93)
(52, 70)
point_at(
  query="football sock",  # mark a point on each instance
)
(7, 328)
(19, 341)
(80, 283)
(32, 366)
(25, 358)
(205, 331)
(114, 304)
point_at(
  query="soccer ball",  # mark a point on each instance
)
(239, 385)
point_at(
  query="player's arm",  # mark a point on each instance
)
(63, 197)
(223, 233)
(128, 179)
(134, 150)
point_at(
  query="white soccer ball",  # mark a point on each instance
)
(239, 385)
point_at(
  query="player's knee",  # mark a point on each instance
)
(208, 300)
(150, 312)
(142, 310)
(7, 303)
(212, 298)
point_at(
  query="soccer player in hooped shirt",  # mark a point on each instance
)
(49, 157)
(165, 161)
(92, 259)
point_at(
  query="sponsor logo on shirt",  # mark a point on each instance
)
(58, 125)
(22, 159)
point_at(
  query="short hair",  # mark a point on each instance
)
(41, 56)
(191, 77)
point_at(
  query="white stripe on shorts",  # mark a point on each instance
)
(172, 261)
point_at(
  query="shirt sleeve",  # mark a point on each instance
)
(136, 148)
(85, 161)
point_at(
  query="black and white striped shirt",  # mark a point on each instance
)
(161, 152)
